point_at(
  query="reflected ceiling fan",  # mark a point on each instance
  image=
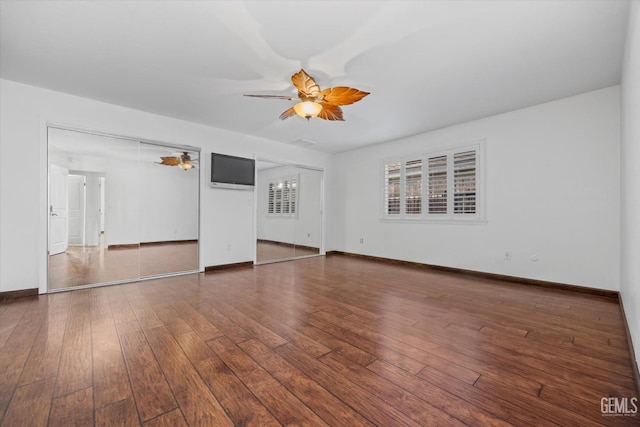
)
(314, 102)
(183, 161)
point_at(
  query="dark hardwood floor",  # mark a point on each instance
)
(88, 265)
(272, 251)
(336, 341)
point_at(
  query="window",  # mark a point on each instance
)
(282, 197)
(438, 185)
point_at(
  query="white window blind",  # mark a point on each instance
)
(438, 185)
(392, 188)
(272, 198)
(464, 182)
(278, 198)
(282, 197)
(413, 187)
(293, 192)
(286, 197)
(442, 185)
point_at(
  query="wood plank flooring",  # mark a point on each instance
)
(272, 251)
(88, 265)
(336, 341)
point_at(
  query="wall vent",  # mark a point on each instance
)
(303, 142)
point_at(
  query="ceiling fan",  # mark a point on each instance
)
(183, 161)
(314, 102)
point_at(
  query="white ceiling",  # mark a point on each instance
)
(427, 64)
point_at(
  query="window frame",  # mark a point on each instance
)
(425, 216)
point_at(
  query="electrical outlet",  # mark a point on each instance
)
(362, 240)
(507, 256)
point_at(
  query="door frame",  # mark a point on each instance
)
(51, 246)
(83, 212)
(43, 223)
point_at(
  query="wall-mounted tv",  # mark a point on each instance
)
(232, 172)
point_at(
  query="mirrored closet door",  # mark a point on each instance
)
(116, 213)
(289, 212)
(169, 213)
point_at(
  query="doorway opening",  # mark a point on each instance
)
(77, 209)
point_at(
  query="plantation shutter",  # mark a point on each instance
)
(443, 185)
(283, 197)
(278, 198)
(413, 187)
(286, 194)
(272, 195)
(437, 185)
(293, 192)
(464, 182)
(392, 188)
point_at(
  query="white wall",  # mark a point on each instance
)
(226, 234)
(303, 229)
(630, 256)
(552, 190)
(123, 219)
(123, 186)
(309, 224)
(168, 203)
(145, 201)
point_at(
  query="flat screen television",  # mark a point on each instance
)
(232, 172)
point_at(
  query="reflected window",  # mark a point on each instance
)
(282, 197)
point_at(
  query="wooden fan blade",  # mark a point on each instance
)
(305, 84)
(330, 112)
(288, 113)
(289, 98)
(170, 161)
(342, 95)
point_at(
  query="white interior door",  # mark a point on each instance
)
(77, 209)
(58, 209)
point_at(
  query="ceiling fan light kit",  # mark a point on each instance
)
(307, 109)
(314, 102)
(183, 161)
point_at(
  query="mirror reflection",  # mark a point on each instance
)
(115, 213)
(169, 206)
(289, 212)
